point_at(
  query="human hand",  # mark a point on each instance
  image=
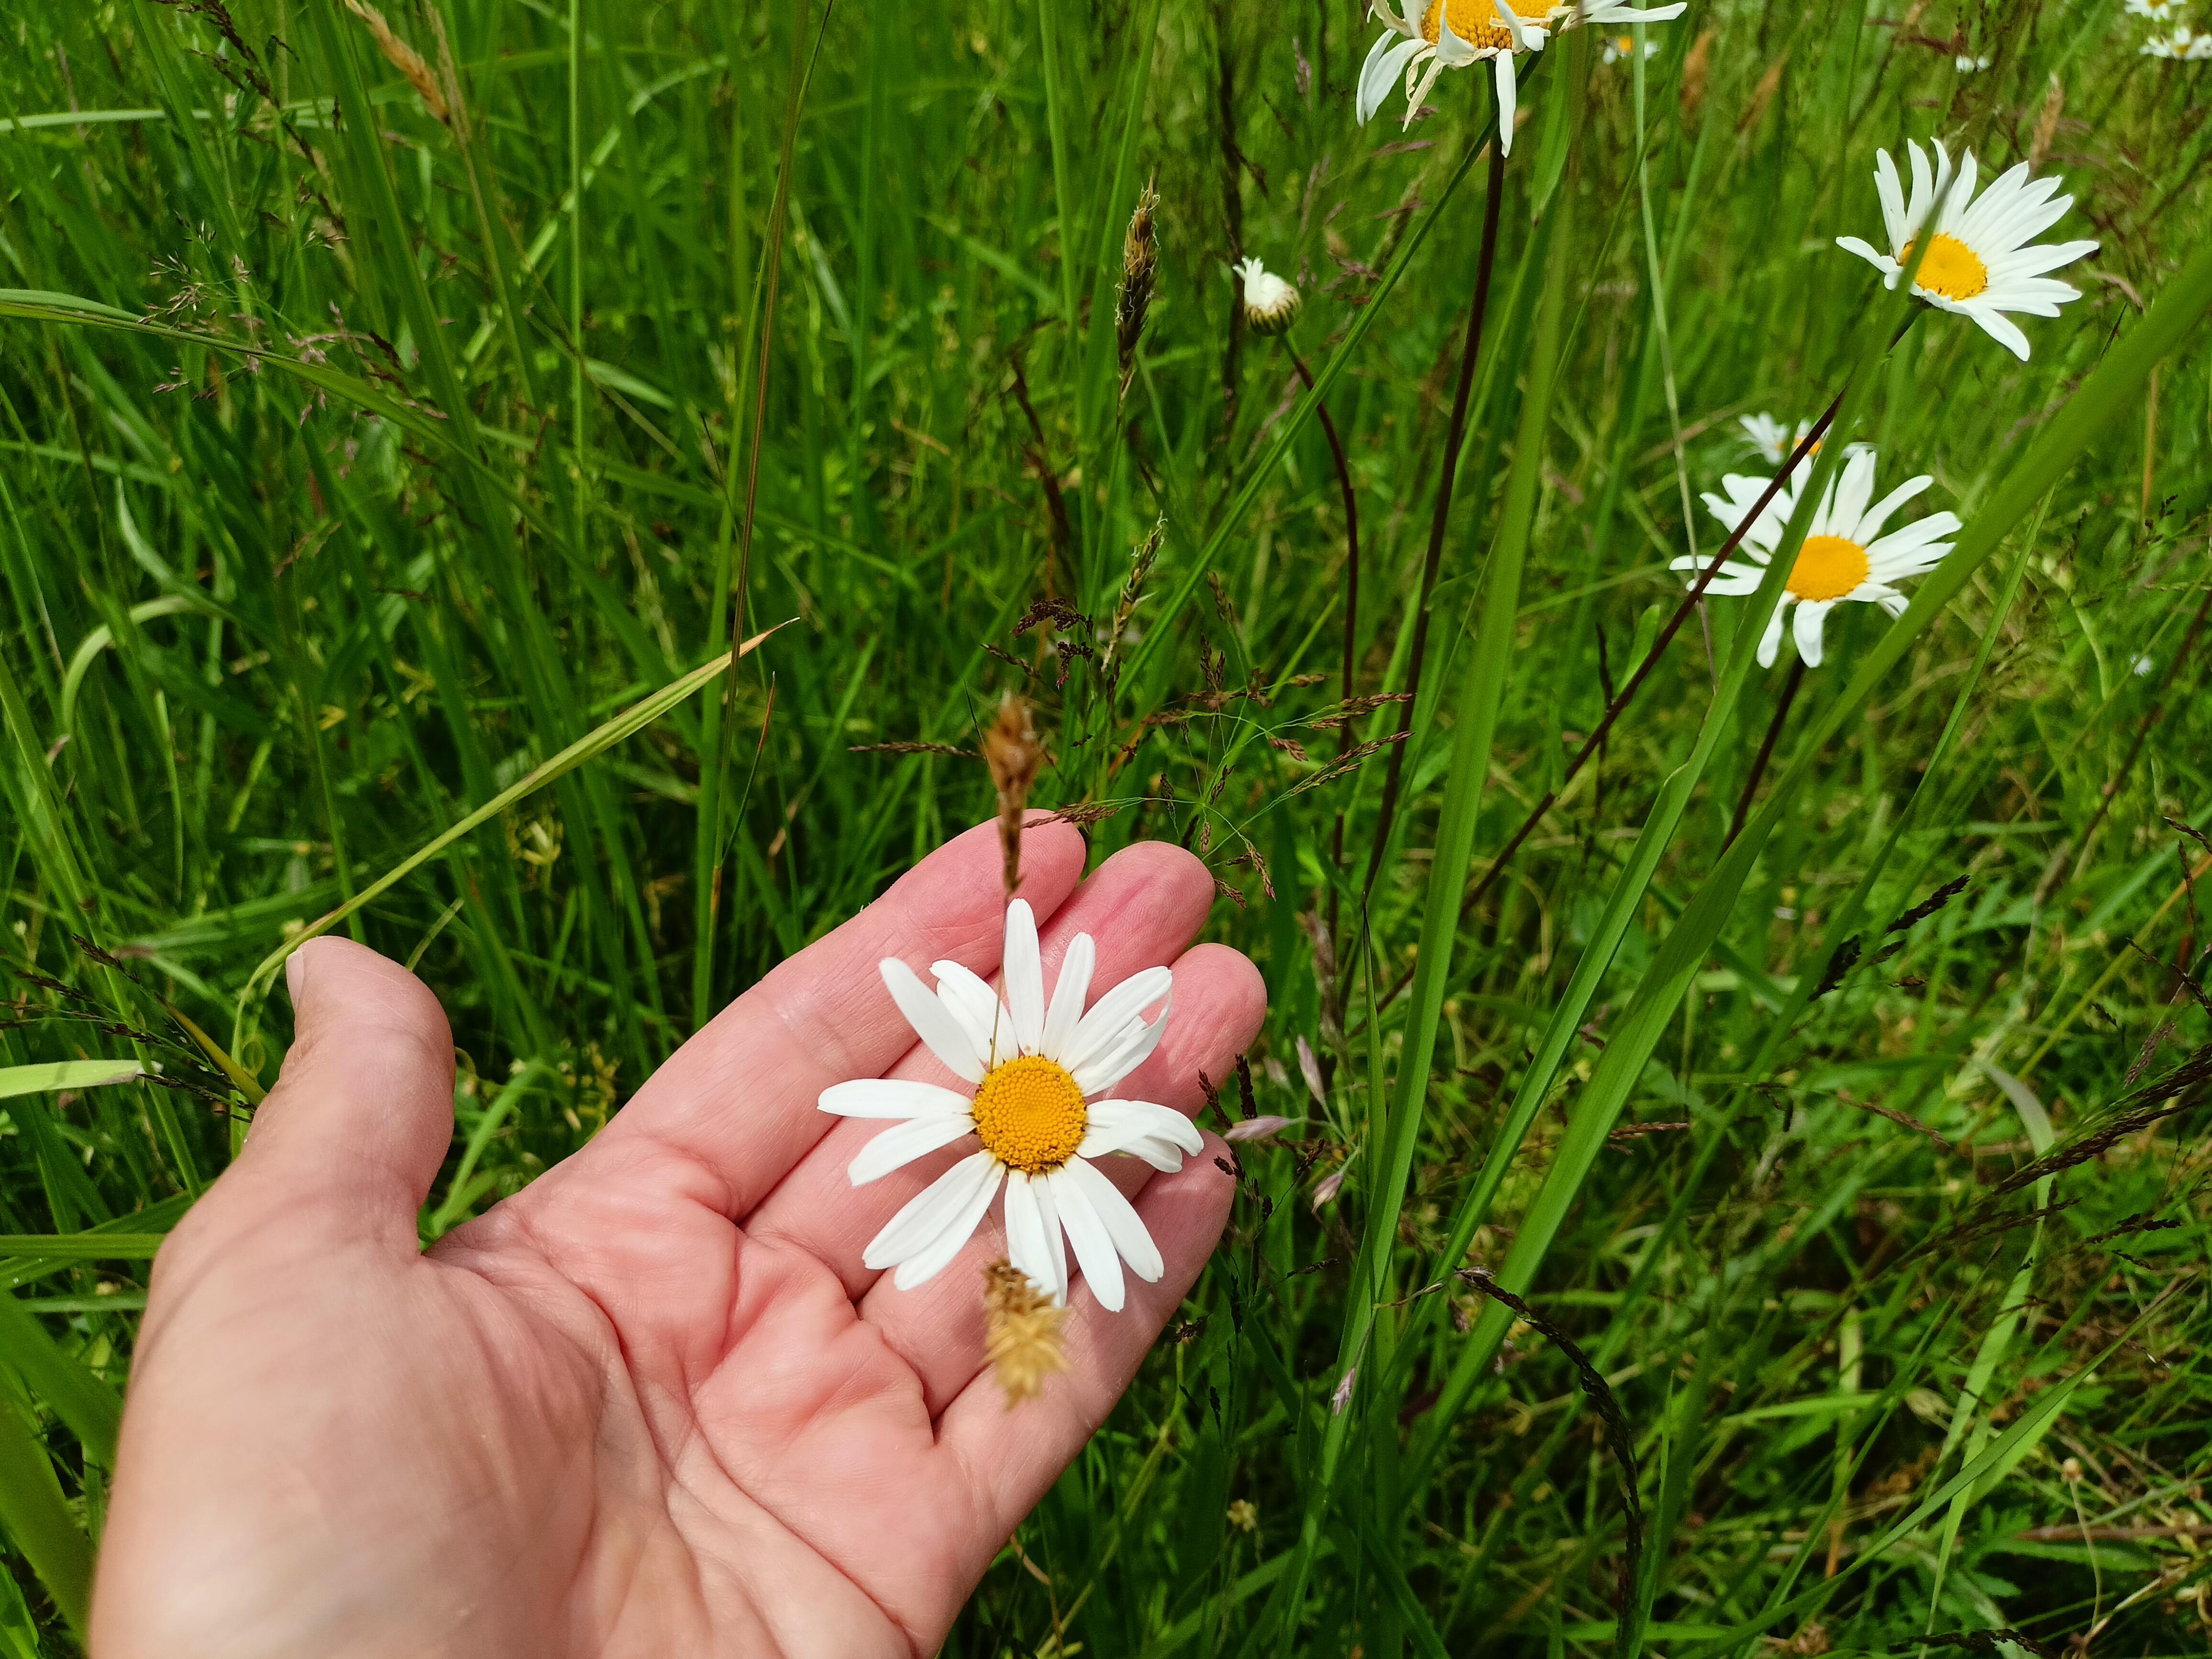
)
(653, 1403)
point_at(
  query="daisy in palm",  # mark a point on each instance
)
(1455, 34)
(1845, 554)
(1035, 1069)
(1978, 263)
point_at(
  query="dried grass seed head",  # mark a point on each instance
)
(1022, 1338)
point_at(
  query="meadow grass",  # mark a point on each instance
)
(1766, 1212)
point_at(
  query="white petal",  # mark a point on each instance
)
(937, 1207)
(902, 1143)
(2002, 329)
(1021, 971)
(891, 1097)
(1770, 643)
(1027, 1247)
(1873, 519)
(1385, 59)
(1048, 1218)
(1507, 93)
(945, 1036)
(1916, 212)
(1162, 1154)
(1810, 615)
(1116, 1125)
(933, 1259)
(1111, 1016)
(1086, 1232)
(971, 1001)
(1068, 995)
(1102, 1071)
(1123, 1224)
(1885, 185)
(1417, 87)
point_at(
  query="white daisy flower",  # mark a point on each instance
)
(2184, 43)
(1271, 305)
(1966, 64)
(1035, 1069)
(1844, 556)
(1620, 46)
(1454, 33)
(2159, 11)
(1773, 440)
(1979, 263)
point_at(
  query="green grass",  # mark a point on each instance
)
(353, 463)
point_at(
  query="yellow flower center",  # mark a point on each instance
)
(1951, 269)
(1827, 568)
(1476, 21)
(1030, 1114)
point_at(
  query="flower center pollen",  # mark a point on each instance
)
(1827, 568)
(1030, 1114)
(1476, 21)
(1951, 269)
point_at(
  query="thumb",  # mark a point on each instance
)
(363, 1110)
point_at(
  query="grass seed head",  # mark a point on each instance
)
(1009, 748)
(403, 57)
(1022, 1332)
(1140, 259)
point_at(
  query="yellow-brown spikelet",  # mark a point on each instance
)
(1009, 748)
(402, 57)
(1697, 70)
(1022, 1335)
(2046, 123)
(1140, 259)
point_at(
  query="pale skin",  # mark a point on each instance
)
(653, 1404)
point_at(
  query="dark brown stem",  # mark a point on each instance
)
(1454, 434)
(1765, 750)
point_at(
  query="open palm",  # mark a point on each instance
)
(654, 1403)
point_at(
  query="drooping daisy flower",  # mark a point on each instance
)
(1844, 556)
(1980, 263)
(1454, 33)
(1271, 305)
(1771, 438)
(2184, 44)
(1034, 1070)
(1774, 440)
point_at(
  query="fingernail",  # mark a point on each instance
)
(295, 975)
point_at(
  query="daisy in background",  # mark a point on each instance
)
(1619, 47)
(1774, 440)
(1844, 556)
(2183, 43)
(2159, 11)
(1970, 65)
(1454, 33)
(1979, 263)
(1271, 305)
(1035, 1069)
